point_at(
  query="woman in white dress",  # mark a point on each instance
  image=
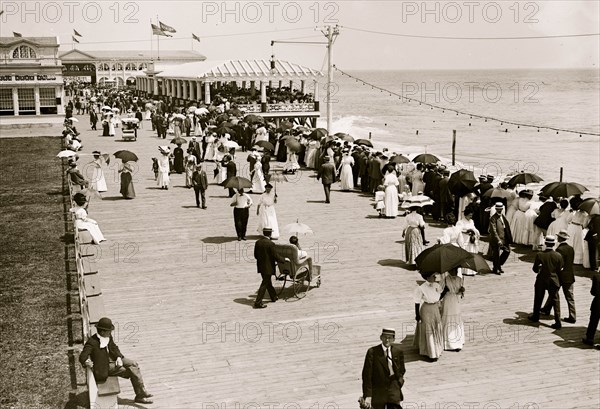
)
(470, 238)
(416, 178)
(190, 167)
(258, 179)
(112, 123)
(291, 165)
(198, 131)
(413, 234)
(98, 180)
(390, 183)
(429, 337)
(451, 234)
(163, 168)
(345, 172)
(266, 212)
(311, 154)
(82, 222)
(562, 217)
(221, 170)
(518, 223)
(452, 322)
(261, 135)
(579, 221)
(210, 147)
(463, 202)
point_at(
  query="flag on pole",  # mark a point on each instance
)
(166, 28)
(195, 37)
(76, 33)
(17, 34)
(158, 32)
(75, 40)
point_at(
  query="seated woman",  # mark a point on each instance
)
(302, 255)
(82, 222)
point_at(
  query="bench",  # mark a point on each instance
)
(91, 283)
(96, 309)
(103, 395)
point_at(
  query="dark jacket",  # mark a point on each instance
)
(497, 233)
(545, 217)
(265, 255)
(566, 275)
(595, 291)
(99, 356)
(77, 178)
(199, 179)
(548, 265)
(376, 380)
(326, 173)
(231, 169)
(593, 228)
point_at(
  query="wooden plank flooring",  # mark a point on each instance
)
(180, 288)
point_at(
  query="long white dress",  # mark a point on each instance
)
(311, 154)
(163, 171)
(98, 180)
(258, 179)
(472, 246)
(452, 322)
(266, 214)
(346, 178)
(390, 182)
(562, 218)
(291, 164)
(576, 227)
(82, 222)
(519, 223)
(210, 147)
(261, 135)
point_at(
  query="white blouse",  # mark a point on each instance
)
(427, 293)
(414, 219)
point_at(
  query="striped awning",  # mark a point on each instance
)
(235, 70)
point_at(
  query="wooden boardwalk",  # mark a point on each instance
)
(180, 288)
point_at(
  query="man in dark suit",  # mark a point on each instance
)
(595, 311)
(266, 164)
(327, 175)
(200, 184)
(251, 159)
(375, 175)
(547, 266)
(231, 171)
(482, 221)
(593, 238)
(383, 374)
(356, 155)
(565, 277)
(265, 255)
(446, 199)
(545, 214)
(364, 172)
(194, 148)
(103, 357)
(500, 239)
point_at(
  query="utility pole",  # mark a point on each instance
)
(331, 34)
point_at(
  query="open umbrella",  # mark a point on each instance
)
(441, 258)
(476, 263)
(237, 182)
(462, 182)
(126, 156)
(364, 142)
(318, 133)
(297, 228)
(224, 128)
(222, 118)
(201, 111)
(235, 112)
(399, 159)
(344, 136)
(178, 141)
(277, 177)
(563, 189)
(497, 192)
(231, 144)
(106, 108)
(426, 158)
(591, 206)
(265, 144)
(178, 116)
(293, 145)
(418, 200)
(524, 179)
(254, 119)
(73, 119)
(66, 154)
(132, 120)
(192, 109)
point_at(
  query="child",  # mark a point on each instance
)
(379, 200)
(155, 168)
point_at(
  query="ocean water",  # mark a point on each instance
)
(567, 99)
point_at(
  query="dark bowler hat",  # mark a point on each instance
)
(105, 324)
(96, 153)
(267, 230)
(490, 178)
(268, 186)
(389, 331)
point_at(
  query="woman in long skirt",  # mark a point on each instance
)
(112, 123)
(579, 222)
(82, 222)
(413, 234)
(163, 169)
(311, 154)
(178, 159)
(429, 334)
(210, 147)
(266, 212)
(390, 183)
(258, 179)
(470, 238)
(190, 167)
(346, 178)
(454, 329)
(416, 178)
(98, 180)
(127, 189)
(562, 217)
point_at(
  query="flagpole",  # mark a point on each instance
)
(151, 41)
(158, 39)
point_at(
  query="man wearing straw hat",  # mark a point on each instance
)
(383, 374)
(547, 266)
(103, 357)
(566, 277)
(500, 238)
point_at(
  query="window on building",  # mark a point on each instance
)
(6, 101)
(117, 67)
(24, 51)
(143, 66)
(48, 101)
(104, 67)
(130, 67)
(26, 101)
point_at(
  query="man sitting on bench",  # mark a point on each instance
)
(103, 356)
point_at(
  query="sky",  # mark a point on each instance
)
(245, 29)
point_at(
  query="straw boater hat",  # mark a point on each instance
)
(550, 241)
(563, 235)
(499, 206)
(389, 331)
